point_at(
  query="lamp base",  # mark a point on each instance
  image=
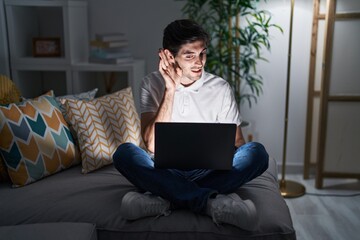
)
(291, 189)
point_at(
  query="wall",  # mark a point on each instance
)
(143, 22)
(267, 117)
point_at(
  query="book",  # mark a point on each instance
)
(93, 59)
(110, 50)
(109, 37)
(104, 54)
(113, 44)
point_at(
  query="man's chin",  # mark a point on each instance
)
(195, 77)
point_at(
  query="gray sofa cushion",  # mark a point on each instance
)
(53, 231)
(70, 196)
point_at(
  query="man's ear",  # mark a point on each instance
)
(168, 54)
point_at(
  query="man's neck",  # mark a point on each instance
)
(187, 82)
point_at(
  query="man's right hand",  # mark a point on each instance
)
(172, 75)
(169, 69)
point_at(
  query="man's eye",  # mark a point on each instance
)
(189, 56)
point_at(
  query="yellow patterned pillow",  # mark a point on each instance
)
(102, 125)
(35, 139)
(9, 93)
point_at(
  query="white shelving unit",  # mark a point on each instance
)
(134, 73)
(64, 19)
(26, 20)
(4, 51)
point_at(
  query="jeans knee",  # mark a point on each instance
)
(262, 156)
(121, 153)
(259, 154)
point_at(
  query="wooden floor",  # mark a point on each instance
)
(326, 217)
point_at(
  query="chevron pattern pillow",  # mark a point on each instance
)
(102, 125)
(89, 95)
(4, 177)
(61, 100)
(9, 93)
(35, 140)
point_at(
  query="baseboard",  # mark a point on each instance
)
(292, 168)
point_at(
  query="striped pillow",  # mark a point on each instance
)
(35, 140)
(102, 125)
(61, 100)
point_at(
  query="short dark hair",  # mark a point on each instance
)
(183, 31)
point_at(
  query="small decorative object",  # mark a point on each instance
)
(110, 48)
(46, 47)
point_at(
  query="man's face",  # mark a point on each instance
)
(191, 59)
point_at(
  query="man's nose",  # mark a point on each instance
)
(199, 60)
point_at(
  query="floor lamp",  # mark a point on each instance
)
(289, 188)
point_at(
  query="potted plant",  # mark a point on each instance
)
(238, 33)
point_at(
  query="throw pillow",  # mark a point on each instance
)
(90, 95)
(4, 176)
(35, 140)
(102, 125)
(9, 93)
(61, 100)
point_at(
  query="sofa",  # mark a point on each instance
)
(83, 190)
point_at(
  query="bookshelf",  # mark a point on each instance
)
(84, 77)
(66, 20)
(4, 51)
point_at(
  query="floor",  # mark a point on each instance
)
(329, 213)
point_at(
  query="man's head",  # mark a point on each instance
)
(185, 43)
(180, 32)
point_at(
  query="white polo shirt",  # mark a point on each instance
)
(209, 99)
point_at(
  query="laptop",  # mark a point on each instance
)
(188, 146)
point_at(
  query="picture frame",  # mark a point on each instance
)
(46, 47)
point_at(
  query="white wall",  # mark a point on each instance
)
(143, 22)
(267, 117)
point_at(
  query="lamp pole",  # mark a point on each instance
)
(289, 188)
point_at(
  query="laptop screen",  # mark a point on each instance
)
(188, 146)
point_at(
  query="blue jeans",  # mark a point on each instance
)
(189, 189)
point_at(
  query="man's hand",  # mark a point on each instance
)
(169, 69)
(172, 75)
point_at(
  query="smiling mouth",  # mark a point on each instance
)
(197, 69)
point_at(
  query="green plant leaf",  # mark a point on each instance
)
(251, 37)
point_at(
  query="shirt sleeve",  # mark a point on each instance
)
(230, 110)
(150, 93)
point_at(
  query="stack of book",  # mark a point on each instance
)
(110, 48)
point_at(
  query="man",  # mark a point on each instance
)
(181, 91)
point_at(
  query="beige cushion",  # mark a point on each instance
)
(102, 125)
(61, 100)
(9, 93)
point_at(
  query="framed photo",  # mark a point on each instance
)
(46, 47)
